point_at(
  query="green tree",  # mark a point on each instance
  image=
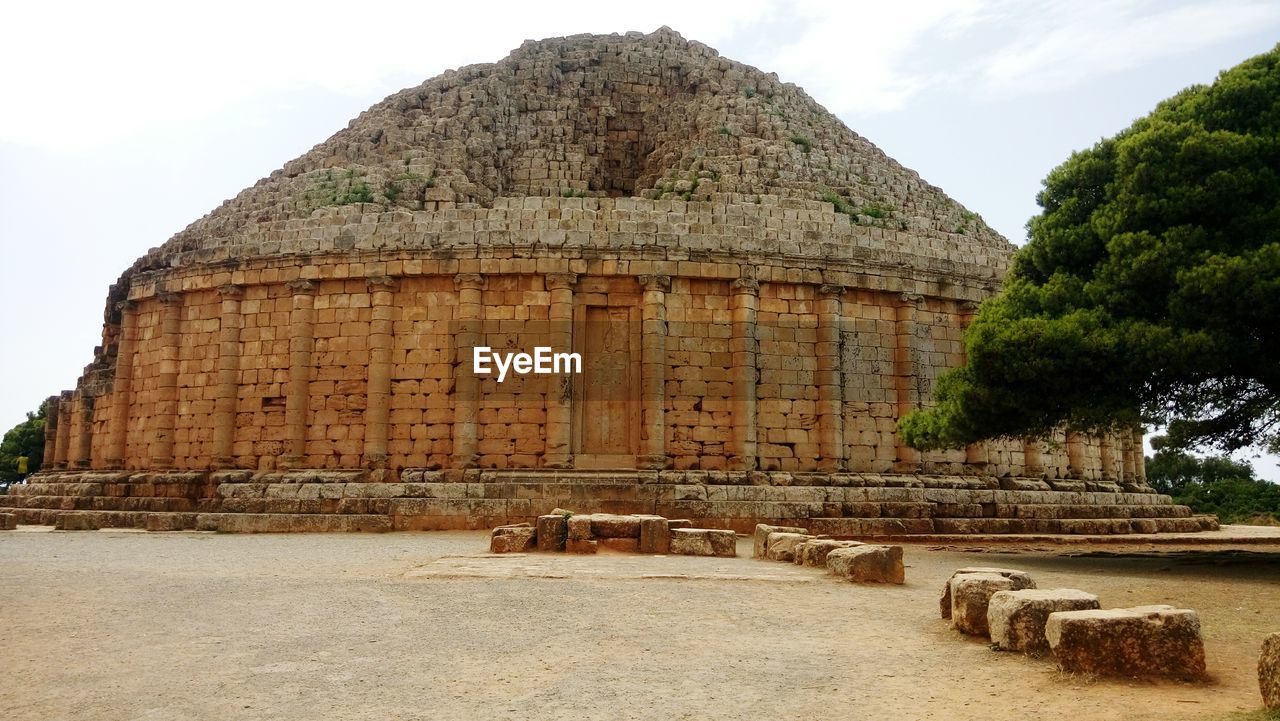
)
(1216, 484)
(1149, 291)
(25, 440)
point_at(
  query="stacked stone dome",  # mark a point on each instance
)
(757, 292)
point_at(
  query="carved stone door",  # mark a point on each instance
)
(607, 420)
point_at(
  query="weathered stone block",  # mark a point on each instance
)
(1021, 580)
(1142, 641)
(703, 542)
(1269, 671)
(814, 551)
(868, 564)
(518, 538)
(655, 535)
(970, 595)
(579, 528)
(8, 521)
(761, 537)
(781, 545)
(607, 525)
(581, 545)
(1016, 619)
(552, 532)
(623, 545)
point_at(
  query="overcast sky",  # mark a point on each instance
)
(122, 122)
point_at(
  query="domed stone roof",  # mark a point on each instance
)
(590, 116)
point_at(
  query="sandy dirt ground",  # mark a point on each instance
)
(174, 626)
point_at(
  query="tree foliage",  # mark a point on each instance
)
(1217, 485)
(23, 440)
(1149, 290)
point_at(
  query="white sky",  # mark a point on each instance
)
(122, 122)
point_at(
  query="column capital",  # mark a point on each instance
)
(169, 297)
(969, 306)
(561, 281)
(655, 282)
(911, 298)
(231, 290)
(468, 281)
(830, 290)
(125, 305)
(381, 282)
(303, 286)
(745, 285)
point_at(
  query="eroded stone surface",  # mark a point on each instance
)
(868, 564)
(760, 546)
(814, 552)
(1269, 671)
(1016, 619)
(703, 542)
(970, 595)
(1021, 580)
(1144, 641)
(781, 545)
(513, 539)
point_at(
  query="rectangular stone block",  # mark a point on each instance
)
(1145, 641)
(655, 535)
(761, 537)
(518, 538)
(703, 542)
(1016, 619)
(552, 531)
(1021, 580)
(868, 564)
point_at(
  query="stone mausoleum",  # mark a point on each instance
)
(756, 293)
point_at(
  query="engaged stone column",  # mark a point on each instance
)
(744, 346)
(62, 448)
(122, 387)
(559, 429)
(297, 402)
(227, 391)
(1032, 458)
(829, 379)
(1107, 457)
(1139, 457)
(1075, 455)
(166, 405)
(1130, 466)
(82, 427)
(376, 415)
(653, 372)
(50, 433)
(906, 371)
(466, 386)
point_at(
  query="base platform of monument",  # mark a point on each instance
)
(836, 504)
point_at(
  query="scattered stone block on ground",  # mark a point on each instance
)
(518, 538)
(1269, 671)
(703, 542)
(814, 551)
(655, 535)
(608, 525)
(1016, 619)
(1021, 580)
(761, 537)
(868, 564)
(552, 532)
(1145, 641)
(970, 596)
(781, 545)
(579, 539)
